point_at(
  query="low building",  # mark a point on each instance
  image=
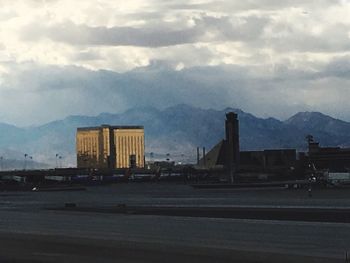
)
(110, 147)
(330, 158)
(269, 160)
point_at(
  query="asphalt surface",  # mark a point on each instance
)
(30, 233)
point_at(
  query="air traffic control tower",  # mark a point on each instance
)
(232, 145)
(225, 154)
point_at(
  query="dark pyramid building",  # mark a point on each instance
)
(226, 153)
(226, 156)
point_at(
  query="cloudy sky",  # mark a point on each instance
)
(267, 57)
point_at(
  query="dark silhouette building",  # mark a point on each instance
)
(330, 158)
(226, 153)
(275, 160)
(232, 144)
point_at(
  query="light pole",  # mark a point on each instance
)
(30, 162)
(1, 163)
(25, 161)
(56, 166)
(60, 161)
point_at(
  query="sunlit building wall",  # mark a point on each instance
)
(110, 147)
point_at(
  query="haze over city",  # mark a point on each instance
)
(270, 58)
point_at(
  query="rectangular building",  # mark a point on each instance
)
(334, 159)
(110, 147)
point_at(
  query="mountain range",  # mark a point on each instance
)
(176, 130)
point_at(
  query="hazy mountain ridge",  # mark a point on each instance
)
(329, 131)
(320, 122)
(177, 130)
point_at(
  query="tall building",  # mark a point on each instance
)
(109, 147)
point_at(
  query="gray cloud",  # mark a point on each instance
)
(87, 55)
(270, 57)
(261, 5)
(115, 36)
(333, 38)
(338, 67)
(261, 30)
(205, 29)
(62, 91)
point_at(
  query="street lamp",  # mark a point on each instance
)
(60, 161)
(56, 160)
(31, 162)
(25, 161)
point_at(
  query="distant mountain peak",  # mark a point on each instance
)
(230, 109)
(306, 116)
(142, 109)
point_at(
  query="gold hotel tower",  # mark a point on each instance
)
(110, 147)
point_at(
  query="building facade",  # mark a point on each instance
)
(110, 147)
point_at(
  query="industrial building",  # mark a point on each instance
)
(331, 158)
(226, 155)
(269, 160)
(110, 147)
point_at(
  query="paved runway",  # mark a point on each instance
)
(29, 233)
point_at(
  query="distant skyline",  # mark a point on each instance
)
(268, 57)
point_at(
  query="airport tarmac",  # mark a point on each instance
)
(30, 233)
